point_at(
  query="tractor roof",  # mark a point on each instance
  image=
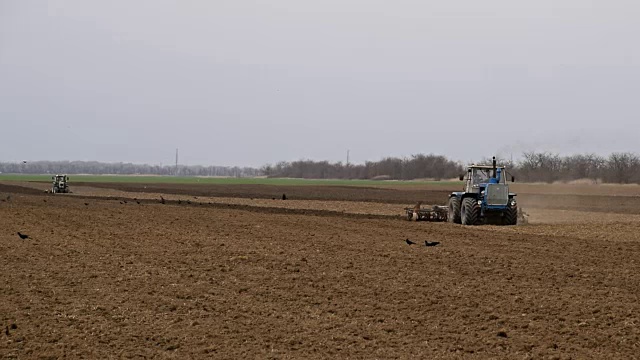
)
(488, 167)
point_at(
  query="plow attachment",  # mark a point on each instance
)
(435, 213)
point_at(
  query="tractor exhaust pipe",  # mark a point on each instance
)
(494, 168)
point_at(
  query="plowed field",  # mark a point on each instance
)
(236, 272)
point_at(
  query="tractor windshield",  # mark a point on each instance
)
(480, 176)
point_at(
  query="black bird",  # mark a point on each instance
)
(409, 242)
(138, 202)
(284, 197)
(125, 201)
(179, 202)
(433, 243)
(86, 204)
(6, 330)
(45, 200)
(162, 200)
(23, 236)
(121, 203)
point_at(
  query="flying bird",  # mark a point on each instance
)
(23, 236)
(433, 243)
(409, 242)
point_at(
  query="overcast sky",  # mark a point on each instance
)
(252, 82)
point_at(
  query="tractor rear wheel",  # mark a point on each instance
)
(470, 212)
(454, 210)
(510, 215)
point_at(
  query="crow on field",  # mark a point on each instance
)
(179, 202)
(433, 243)
(23, 236)
(138, 202)
(44, 200)
(162, 200)
(6, 330)
(125, 201)
(86, 204)
(121, 203)
(284, 197)
(409, 242)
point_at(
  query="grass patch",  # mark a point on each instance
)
(150, 179)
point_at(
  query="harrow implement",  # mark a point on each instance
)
(435, 213)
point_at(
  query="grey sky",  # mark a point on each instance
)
(250, 82)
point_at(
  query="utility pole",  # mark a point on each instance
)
(176, 172)
(347, 158)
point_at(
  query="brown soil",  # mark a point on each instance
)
(101, 279)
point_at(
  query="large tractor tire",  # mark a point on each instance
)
(470, 212)
(454, 210)
(510, 215)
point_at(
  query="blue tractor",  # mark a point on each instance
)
(486, 198)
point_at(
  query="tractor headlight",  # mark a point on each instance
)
(479, 202)
(513, 203)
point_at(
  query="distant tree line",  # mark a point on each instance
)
(416, 167)
(623, 168)
(94, 167)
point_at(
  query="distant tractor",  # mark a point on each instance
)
(60, 184)
(486, 198)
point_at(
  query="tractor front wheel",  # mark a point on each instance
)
(510, 215)
(470, 212)
(454, 210)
